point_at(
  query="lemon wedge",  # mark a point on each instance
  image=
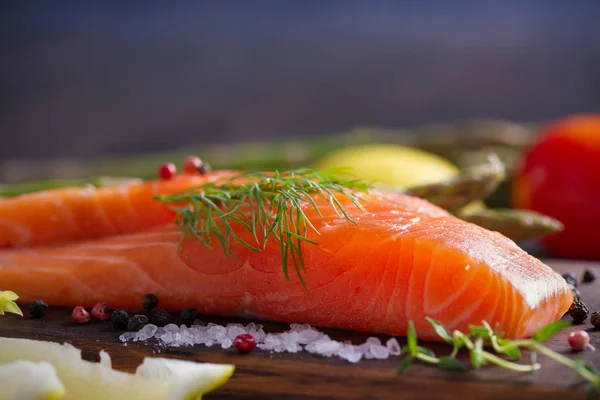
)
(27, 380)
(391, 165)
(155, 378)
(394, 167)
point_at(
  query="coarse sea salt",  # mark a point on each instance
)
(300, 337)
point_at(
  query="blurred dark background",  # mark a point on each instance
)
(94, 78)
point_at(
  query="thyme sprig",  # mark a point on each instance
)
(479, 336)
(268, 205)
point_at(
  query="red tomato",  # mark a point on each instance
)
(560, 176)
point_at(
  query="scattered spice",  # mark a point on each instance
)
(167, 170)
(588, 276)
(579, 340)
(160, 318)
(570, 278)
(38, 309)
(244, 343)
(120, 319)
(192, 164)
(576, 293)
(137, 322)
(149, 301)
(189, 315)
(100, 312)
(204, 169)
(596, 319)
(579, 312)
(80, 315)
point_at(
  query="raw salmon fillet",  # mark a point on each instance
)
(404, 260)
(75, 213)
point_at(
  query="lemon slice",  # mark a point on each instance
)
(155, 378)
(27, 380)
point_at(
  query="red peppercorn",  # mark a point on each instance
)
(100, 312)
(191, 165)
(80, 316)
(167, 171)
(579, 340)
(244, 342)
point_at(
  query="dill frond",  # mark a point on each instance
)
(268, 205)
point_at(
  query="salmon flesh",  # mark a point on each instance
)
(402, 260)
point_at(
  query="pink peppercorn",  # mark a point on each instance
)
(244, 343)
(80, 316)
(579, 340)
(167, 170)
(100, 312)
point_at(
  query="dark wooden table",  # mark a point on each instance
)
(261, 375)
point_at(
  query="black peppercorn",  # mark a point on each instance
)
(137, 322)
(576, 293)
(570, 278)
(588, 276)
(149, 301)
(120, 319)
(579, 312)
(38, 309)
(596, 319)
(189, 315)
(160, 318)
(204, 168)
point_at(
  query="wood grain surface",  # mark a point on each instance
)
(262, 375)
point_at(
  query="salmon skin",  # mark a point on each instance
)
(77, 213)
(404, 260)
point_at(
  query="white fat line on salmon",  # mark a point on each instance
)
(121, 261)
(127, 246)
(473, 307)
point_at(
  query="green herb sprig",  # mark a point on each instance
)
(267, 205)
(8, 303)
(474, 342)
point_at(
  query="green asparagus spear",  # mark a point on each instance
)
(518, 225)
(15, 189)
(475, 184)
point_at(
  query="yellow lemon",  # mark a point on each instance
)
(30, 380)
(155, 378)
(391, 165)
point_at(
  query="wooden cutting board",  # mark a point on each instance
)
(261, 375)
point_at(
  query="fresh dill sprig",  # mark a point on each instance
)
(484, 334)
(268, 205)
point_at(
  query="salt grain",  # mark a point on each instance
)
(187, 337)
(167, 338)
(327, 347)
(127, 336)
(300, 337)
(309, 335)
(172, 328)
(380, 352)
(234, 330)
(147, 332)
(393, 347)
(373, 340)
(349, 353)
